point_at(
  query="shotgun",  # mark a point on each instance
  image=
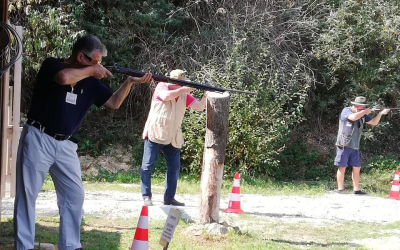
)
(379, 109)
(161, 78)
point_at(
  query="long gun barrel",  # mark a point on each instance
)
(161, 78)
(378, 109)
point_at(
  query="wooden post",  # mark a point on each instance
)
(4, 127)
(214, 156)
(3, 18)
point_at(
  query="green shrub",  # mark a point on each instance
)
(359, 48)
(300, 162)
(283, 50)
(380, 163)
(49, 30)
(357, 53)
(255, 57)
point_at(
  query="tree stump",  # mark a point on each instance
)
(214, 156)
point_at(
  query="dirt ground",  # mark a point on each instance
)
(326, 209)
(330, 208)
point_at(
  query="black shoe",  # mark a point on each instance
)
(173, 202)
(359, 192)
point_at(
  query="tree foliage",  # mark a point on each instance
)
(360, 47)
(305, 58)
(49, 30)
(358, 51)
(245, 47)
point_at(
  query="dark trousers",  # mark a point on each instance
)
(172, 156)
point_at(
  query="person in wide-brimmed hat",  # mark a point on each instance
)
(360, 101)
(351, 124)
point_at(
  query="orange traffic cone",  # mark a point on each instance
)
(141, 239)
(234, 203)
(394, 192)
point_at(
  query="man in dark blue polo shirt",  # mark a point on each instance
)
(64, 91)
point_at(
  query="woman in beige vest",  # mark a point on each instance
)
(162, 132)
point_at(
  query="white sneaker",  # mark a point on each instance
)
(148, 202)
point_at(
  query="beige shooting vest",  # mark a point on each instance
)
(163, 125)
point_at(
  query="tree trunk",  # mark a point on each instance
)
(214, 156)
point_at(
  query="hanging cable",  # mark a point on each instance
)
(11, 50)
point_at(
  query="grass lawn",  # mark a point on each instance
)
(100, 233)
(375, 185)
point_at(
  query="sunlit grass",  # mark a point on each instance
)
(190, 185)
(256, 233)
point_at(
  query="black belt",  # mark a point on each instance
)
(58, 137)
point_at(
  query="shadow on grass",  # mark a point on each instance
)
(312, 243)
(276, 215)
(185, 216)
(47, 232)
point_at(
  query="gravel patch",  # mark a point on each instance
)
(385, 243)
(330, 208)
(318, 211)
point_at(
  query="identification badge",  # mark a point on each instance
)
(71, 98)
(348, 124)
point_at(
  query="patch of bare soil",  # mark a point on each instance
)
(330, 208)
(118, 158)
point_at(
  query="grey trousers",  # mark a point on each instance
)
(38, 154)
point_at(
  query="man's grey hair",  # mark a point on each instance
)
(88, 44)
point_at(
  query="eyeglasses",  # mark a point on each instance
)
(91, 60)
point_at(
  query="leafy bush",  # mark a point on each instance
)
(298, 55)
(49, 30)
(300, 162)
(239, 46)
(359, 46)
(357, 53)
(381, 163)
(263, 55)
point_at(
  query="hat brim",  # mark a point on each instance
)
(361, 104)
(184, 78)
